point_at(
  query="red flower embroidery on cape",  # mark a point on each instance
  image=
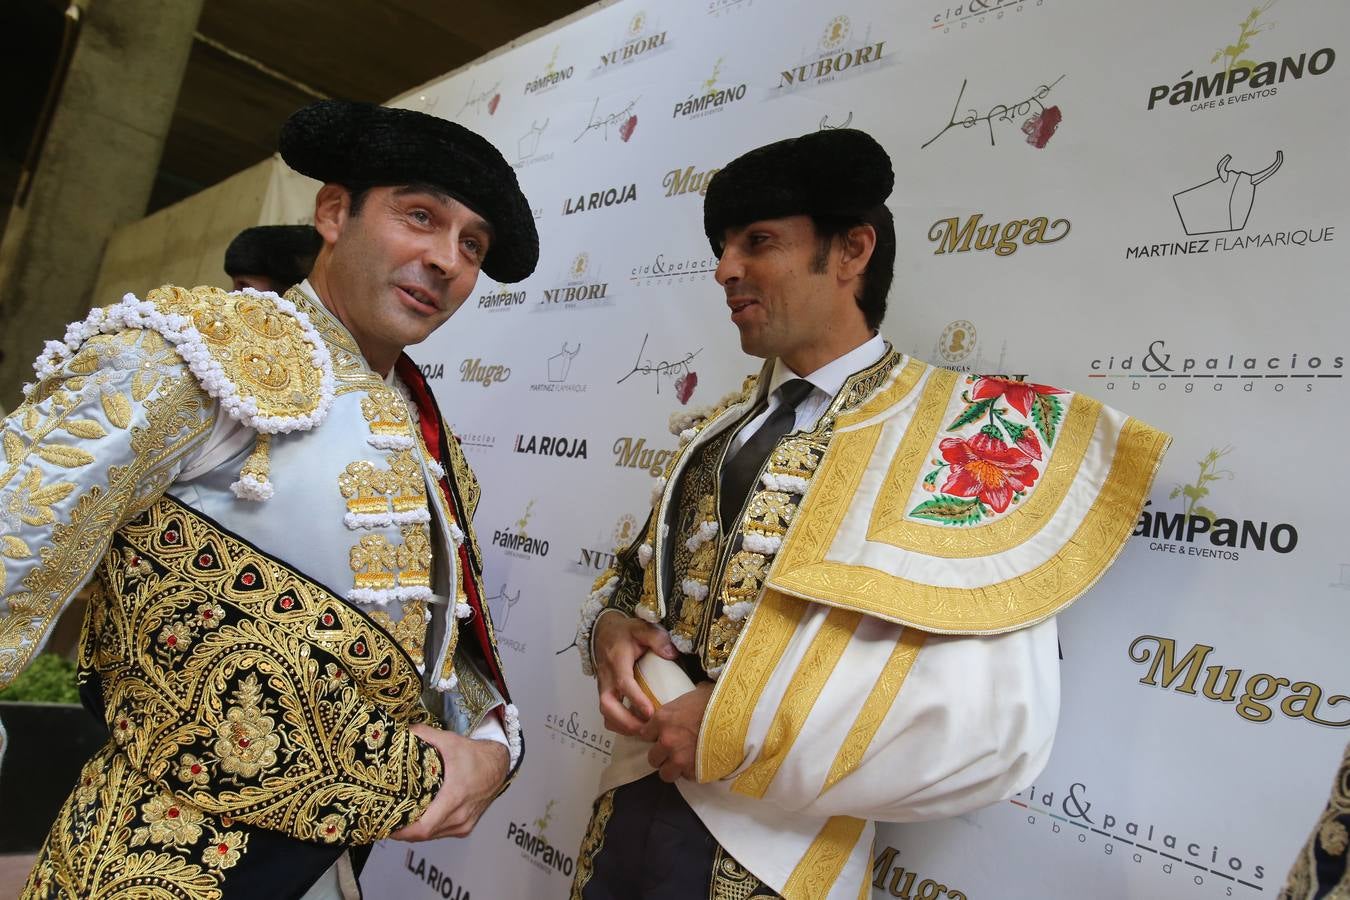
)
(1019, 394)
(988, 468)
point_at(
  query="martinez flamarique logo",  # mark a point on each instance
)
(955, 235)
(1158, 368)
(558, 368)
(527, 146)
(839, 51)
(1215, 212)
(500, 606)
(1241, 79)
(1198, 532)
(961, 16)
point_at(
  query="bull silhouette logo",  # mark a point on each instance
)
(1223, 203)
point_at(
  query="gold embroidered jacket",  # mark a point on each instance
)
(264, 621)
(879, 621)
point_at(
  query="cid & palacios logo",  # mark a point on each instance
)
(1071, 817)
(474, 442)
(1240, 77)
(558, 370)
(642, 38)
(582, 287)
(960, 16)
(712, 97)
(673, 268)
(580, 734)
(515, 540)
(1207, 371)
(1197, 532)
(532, 840)
(501, 605)
(840, 50)
(1214, 214)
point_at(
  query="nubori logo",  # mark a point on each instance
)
(552, 76)
(833, 61)
(953, 237)
(1241, 72)
(432, 370)
(474, 370)
(439, 882)
(578, 290)
(535, 847)
(598, 560)
(688, 181)
(1159, 844)
(637, 42)
(633, 453)
(599, 199)
(1221, 684)
(543, 445)
(710, 99)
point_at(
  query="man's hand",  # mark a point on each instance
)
(617, 643)
(674, 730)
(474, 770)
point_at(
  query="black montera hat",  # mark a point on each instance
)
(284, 253)
(835, 172)
(362, 144)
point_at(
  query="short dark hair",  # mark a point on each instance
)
(880, 272)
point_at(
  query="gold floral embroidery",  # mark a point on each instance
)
(592, 843)
(169, 821)
(226, 850)
(246, 742)
(373, 560)
(192, 770)
(386, 412)
(331, 828)
(410, 631)
(414, 557)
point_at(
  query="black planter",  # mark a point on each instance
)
(48, 744)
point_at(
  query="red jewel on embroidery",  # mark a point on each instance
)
(226, 821)
(360, 647)
(171, 537)
(206, 614)
(135, 560)
(196, 769)
(244, 742)
(204, 559)
(171, 640)
(331, 828)
(248, 579)
(287, 602)
(327, 619)
(222, 849)
(173, 812)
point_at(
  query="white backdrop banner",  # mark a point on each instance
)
(1136, 200)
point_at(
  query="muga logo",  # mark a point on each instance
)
(1241, 79)
(1259, 692)
(839, 50)
(633, 453)
(475, 370)
(582, 288)
(689, 180)
(955, 236)
(902, 881)
(640, 39)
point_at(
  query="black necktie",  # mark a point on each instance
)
(738, 472)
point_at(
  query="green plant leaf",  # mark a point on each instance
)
(1046, 413)
(1205, 513)
(950, 510)
(973, 412)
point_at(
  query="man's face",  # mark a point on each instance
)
(402, 265)
(780, 303)
(257, 282)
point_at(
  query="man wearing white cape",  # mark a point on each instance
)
(841, 609)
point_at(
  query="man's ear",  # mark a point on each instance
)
(855, 251)
(332, 208)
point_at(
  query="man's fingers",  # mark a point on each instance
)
(617, 716)
(657, 640)
(637, 697)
